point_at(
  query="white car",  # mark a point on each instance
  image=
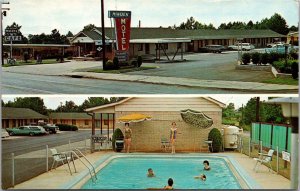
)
(241, 46)
(4, 134)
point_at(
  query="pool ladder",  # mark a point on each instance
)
(76, 152)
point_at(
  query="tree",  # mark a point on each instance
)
(24, 40)
(34, 103)
(69, 106)
(98, 101)
(54, 38)
(69, 34)
(192, 24)
(293, 28)
(278, 24)
(89, 27)
(229, 111)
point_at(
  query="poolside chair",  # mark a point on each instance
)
(264, 158)
(59, 157)
(165, 144)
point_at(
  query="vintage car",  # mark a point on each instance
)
(280, 48)
(27, 130)
(215, 48)
(4, 134)
(241, 46)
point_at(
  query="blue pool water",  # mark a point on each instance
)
(130, 173)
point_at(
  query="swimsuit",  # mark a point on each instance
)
(127, 134)
(173, 133)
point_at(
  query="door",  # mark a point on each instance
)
(147, 48)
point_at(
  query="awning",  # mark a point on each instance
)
(133, 118)
(196, 118)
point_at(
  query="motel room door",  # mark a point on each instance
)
(147, 48)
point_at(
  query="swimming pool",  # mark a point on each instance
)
(129, 172)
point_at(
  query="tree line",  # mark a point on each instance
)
(275, 23)
(246, 115)
(37, 104)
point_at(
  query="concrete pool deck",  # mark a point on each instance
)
(58, 177)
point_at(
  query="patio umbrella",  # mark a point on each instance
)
(133, 118)
(196, 118)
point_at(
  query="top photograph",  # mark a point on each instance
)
(149, 47)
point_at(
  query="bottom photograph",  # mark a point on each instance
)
(200, 142)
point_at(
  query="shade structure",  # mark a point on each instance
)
(196, 118)
(134, 118)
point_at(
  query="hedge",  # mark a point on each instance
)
(66, 127)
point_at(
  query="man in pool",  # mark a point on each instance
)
(170, 185)
(202, 177)
(206, 165)
(150, 173)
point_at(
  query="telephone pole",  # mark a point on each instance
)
(103, 36)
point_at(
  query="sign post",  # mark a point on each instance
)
(122, 20)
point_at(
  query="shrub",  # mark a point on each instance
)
(246, 58)
(109, 65)
(139, 61)
(116, 63)
(117, 135)
(295, 69)
(256, 58)
(294, 55)
(66, 127)
(216, 138)
(264, 58)
(274, 56)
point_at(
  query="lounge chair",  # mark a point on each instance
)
(264, 158)
(165, 144)
(59, 157)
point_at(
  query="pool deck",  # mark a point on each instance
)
(58, 177)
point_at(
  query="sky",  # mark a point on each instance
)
(42, 16)
(53, 101)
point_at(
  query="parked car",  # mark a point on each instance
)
(27, 130)
(215, 48)
(4, 134)
(241, 46)
(280, 48)
(51, 128)
(275, 43)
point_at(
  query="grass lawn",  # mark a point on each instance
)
(285, 81)
(125, 70)
(32, 62)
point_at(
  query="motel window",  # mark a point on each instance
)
(140, 47)
(86, 122)
(105, 122)
(73, 121)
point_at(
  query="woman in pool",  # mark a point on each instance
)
(170, 185)
(173, 134)
(202, 177)
(206, 165)
(127, 139)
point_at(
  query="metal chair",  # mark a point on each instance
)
(165, 144)
(264, 158)
(59, 157)
(207, 144)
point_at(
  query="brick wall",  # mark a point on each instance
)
(146, 136)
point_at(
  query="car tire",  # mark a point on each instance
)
(31, 134)
(11, 133)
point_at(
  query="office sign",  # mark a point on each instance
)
(11, 34)
(13, 38)
(122, 20)
(286, 156)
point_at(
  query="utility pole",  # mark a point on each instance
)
(257, 109)
(103, 36)
(1, 29)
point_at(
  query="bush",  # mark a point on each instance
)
(274, 56)
(66, 127)
(295, 69)
(256, 58)
(246, 58)
(116, 63)
(109, 65)
(264, 58)
(216, 138)
(117, 135)
(139, 61)
(294, 55)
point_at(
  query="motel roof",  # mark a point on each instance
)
(21, 113)
(39, 45)
(79, 115)
(138, 35)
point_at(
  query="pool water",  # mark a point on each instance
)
(130, 173)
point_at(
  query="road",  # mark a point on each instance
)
(16, 83)
(47, 79)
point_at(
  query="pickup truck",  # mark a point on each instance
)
(241, 46)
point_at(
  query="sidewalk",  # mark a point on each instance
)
(197, 83)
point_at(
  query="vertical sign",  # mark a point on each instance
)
(122, 21)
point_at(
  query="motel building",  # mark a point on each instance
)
(194, 116)
(158, 42)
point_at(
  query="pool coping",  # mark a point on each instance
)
(247, 179)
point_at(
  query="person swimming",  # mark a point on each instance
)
(206, 165)
(202, 177)
(150, 173)
(170, 184)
